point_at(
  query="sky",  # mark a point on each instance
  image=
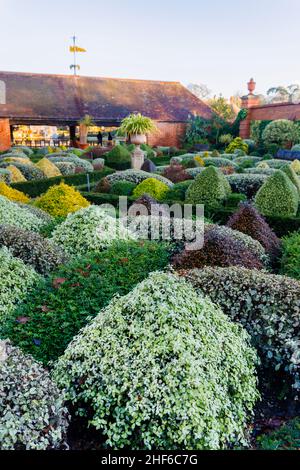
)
(221, 43)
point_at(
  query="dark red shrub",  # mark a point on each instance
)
(249, 221)
(218, 250)
(103, 186)
(149, 201)
(176, 173)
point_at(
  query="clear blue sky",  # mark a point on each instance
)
(221, 43)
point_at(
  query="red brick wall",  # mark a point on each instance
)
(269, 112)
(170, 135)
(4, 134)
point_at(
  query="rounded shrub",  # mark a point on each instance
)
(22, 149)
(247, 184)
(296, 166)
(178, 191)
(31, 248)
(104, 186)
(16, 175)
(146, 377)
(136, 176)
(30, 172)
(176, 173)
(12, 214)
(278, 196)
(119, 158)
(210, 187)
(16, 280)
(237, 144)
(220, 162)
(61, 305)
(281, 132)
(5, 175)
(276, 164)
(48, 168)
(249, 221)
(151, 204)
(80, 165)
(153, 187)
(13, 194)
(122, 188)
(289, 171)
(32, 411)
(219, 249)
(89, 230)
(98, 164)
(267, 305)
(61, 200)
(66, 168)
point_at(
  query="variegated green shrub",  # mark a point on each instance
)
(162, 368)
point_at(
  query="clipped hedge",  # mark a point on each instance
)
(119, 158)
(278, 196)
(268, 307)
(48, 168)
(16, 175)
(64, 303)
(290, 261)
(151, 186)
(13, 194)
(136, 176)
(146, 379)
(61, 200)
(32, 411)
(246, 183)
(19, 216)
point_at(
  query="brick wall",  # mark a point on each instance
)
(170, 135)
(269, 112)
(4, 134)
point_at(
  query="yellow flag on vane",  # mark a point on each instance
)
(77, 49)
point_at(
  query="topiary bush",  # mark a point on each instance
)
(296, 166)
(48, 168)
(276, 164)
(12, 214)
(66, 168)
(122, 188)
(289, 171)
(176, 173)
(282, 132)
(60, 200)
(32, 411)
(151, 204)
(290, 261)
(61, 305)
(219, 162)
(219, 249)
(119, 158)
(210, 187)
(98, 164)
(267, 305)
(16, 175)
(249, 221)
(278, 196)
(153, 187)
(31, 248)
(16, 280)
(158, 385)
(246, 183)
(30, 172)
(80, 164)
(148, 166)
(237, 143)
(89, 230)
(13, 194)
(5, 175)
(136, 176)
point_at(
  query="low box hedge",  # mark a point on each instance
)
(37, 187)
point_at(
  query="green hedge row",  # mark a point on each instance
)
(37, 187)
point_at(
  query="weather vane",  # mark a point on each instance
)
(74, 49)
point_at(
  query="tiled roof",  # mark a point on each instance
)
(42, 97)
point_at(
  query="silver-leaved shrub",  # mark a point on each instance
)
(162, 368)
(12, 214)
(267, 305)
(136, 176)
(32, 411)
(16, 281)
(90, 229)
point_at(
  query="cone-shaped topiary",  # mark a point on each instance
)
(48, 168)
(162, 368)
(119, 158)
(210, 187)
(249, 221)
(32, 411)
(277, 197)
(13, 194)
(16, 174)
(289, 171)
(60, 200)
(153, 187)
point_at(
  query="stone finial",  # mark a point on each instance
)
(251, 86)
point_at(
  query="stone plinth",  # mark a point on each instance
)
(137, 158)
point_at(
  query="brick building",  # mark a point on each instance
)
(41, 99)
